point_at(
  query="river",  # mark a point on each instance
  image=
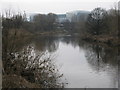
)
(84, 65)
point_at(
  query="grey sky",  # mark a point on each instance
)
(55, 6)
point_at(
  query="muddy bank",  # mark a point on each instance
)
(15, 81)
(109, 40)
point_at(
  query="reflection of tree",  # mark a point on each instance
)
(99, 57)
(103, 59)
(71, 40)
(94, 57)
(46, 43)
(40, 43)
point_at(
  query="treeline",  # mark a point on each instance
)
(39, 22)
(103, 26)
(45, 22)
(101, 21)
(100, 25)
(98, 22)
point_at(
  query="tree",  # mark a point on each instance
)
(11, 24)
(44, 22)
(113, 21)
(39, 22)
(51, 18)
(95, 21)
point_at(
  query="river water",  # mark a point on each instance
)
(84, 65)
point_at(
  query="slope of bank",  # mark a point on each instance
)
(15, 81)
(106, 39)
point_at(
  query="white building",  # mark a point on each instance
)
(77, 15)
(61, 18)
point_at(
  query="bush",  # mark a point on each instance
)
(39, 69)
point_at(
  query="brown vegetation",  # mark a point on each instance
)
(15, 81)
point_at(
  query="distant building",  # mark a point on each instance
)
(32, 16)
(61, 17)
(76, 16)
(73, 16)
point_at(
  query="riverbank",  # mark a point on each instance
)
(15, 81)
(51, 43)
(105, 39)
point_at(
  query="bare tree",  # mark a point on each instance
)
(95, 22)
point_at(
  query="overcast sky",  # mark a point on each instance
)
(54, 6)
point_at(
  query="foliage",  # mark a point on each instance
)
(15, 21)
(44, 22)
(113, 22)
(38, 69)
(95, 22)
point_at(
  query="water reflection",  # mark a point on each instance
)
(39, 43)
(92, 66)
(100, 57)
(84, 64)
